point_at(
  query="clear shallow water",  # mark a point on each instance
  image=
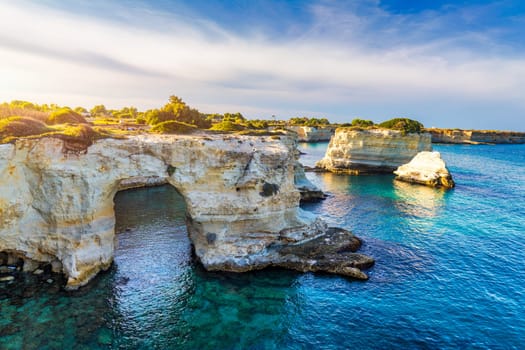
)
(450, 274)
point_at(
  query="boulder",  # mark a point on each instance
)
(426, 168)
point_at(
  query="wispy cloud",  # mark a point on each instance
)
(356, 60)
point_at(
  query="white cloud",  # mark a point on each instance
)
(47, 55)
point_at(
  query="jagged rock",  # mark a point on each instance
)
(309, 192)
(332, 252)
(357, 152)
(426, 168)
(57, 207)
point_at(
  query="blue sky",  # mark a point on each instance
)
(445, 63)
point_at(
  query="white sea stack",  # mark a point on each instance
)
(426, 168)
(358, 151)
(56, 206)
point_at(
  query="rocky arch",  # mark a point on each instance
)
(242, 205)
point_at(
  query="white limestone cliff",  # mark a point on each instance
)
(56, 206)
(426, 168)
(357, 151)
(312, 133)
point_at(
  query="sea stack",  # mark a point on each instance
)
(364, 151)
(427, 168)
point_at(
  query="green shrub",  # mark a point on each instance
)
(404, 124)
(173, 127)
(227, 125)
(362, 123)
(177, 110)
(65, 115)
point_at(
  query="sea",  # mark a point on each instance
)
(449, 273)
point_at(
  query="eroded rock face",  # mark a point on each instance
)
(313, 134)
(56, 206)
(371, 151)
(476, 136)
(426, 168)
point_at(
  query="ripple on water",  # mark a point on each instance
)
(449, 274)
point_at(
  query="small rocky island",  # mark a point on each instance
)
(426, 168)
(367, 151)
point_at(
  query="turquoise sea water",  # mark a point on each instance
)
(450, 273)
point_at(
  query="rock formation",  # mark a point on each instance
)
(426, 168)
(56, 206)
(313, 134)
(357, 151)
(476, 136)
(309, 192)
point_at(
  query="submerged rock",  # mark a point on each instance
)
(332, 252)
(56, 207)
(367, 151)
(426, 168)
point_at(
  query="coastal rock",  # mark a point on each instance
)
(476, 136)
(56, 206)
(313, 134)
(309, 192)
(426, 168)
(367, 151)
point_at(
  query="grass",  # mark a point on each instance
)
(227, 126)
(260, 133)
(9, 111)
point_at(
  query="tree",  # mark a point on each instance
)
(176, 109)
(362, 122)
(98, 110)
(80, 110)
(404, 124)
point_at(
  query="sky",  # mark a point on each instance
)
(445, 63)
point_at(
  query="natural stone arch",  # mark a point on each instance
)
(242, 205)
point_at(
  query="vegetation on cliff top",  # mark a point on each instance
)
(26, 119)
(404, 125)
(173, 127)
(65, 115)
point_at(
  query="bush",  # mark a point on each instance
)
(362, 123)
(227, 126)
(177, 110)
(65, 115)
(13, 127)
(404, 124)
(173, 127)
